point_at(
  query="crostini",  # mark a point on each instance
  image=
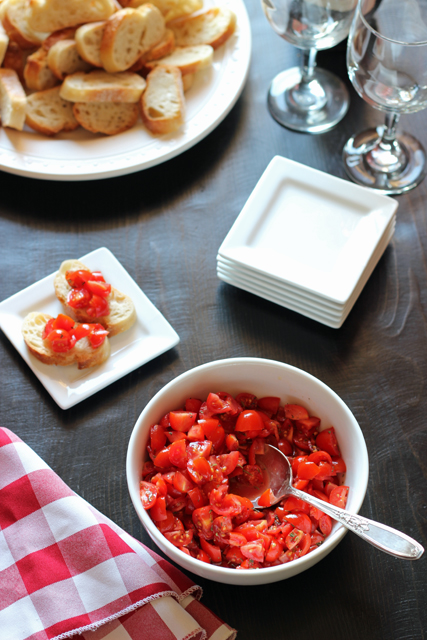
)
(62, 341)
(86, 296)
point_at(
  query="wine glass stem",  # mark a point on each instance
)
(308, 64)
(308, 94)
(387, 156)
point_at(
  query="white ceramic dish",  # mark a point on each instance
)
(280, 295)
(311, 298)
(80, 155)
(261, 377)
(309, 229)
(150, 336)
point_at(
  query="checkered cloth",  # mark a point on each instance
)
(68, 571)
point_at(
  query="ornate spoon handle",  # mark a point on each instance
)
(379, 535)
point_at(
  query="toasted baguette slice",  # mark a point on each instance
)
(100, 86)
(16, 58)
(88, 41)
(162, 103)
(51, 15)
(160, 50)
(171, 8)
(82, 354)
(63, 59)
(128, 34)
(213, 27)
(16, 23)
(187, 59)
(109, 118)
(4, 41)
(13, 100)
(48, 113)
(61, 34)
(37, 74)
(122, 310)
(187, 81)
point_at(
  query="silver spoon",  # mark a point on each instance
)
(278, 476)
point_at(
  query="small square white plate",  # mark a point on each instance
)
(276, 293)
(149, 337)
(309, 229)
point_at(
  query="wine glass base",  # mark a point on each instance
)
(389, 183)
(308, 120)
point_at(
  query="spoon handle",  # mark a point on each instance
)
(379, 535)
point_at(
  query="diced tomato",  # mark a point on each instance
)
(325, 524)
(293, 538)
(253, 551)
(63, 322)
(338, 466)
(295, 412)
(285, 447)
(182, 483)
(197, 497)
(338, 496)
(182, 420)
(223, 503)
(97, 335)
(97, 288)
(267, 499)
(200, 470)
(78, 298)
(249, 421)
(269, 404)
(148, 494)
(179, 538)
(300, 521)
(178, 454)
(247, 400)
(78, 278)
(327, 441)
(193, 405)
(296, 504)
(158, 510)
(203, 519)
(97, 306)
(257, 448)
(307, 470)
(162, 459)
(157, 437)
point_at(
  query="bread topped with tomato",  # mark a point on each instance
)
(86, 296)
(62, 341)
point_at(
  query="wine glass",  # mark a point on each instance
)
(387, 64)
(309, 99)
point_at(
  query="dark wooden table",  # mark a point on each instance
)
(165, 225)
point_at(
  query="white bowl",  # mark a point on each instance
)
(262, 378)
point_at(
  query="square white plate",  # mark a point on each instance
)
(308, 228)
(149, 337)
(304, 297)
(291, 301)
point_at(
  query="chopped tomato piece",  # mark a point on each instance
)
(269, 403)
(295, 412)
(182, 420)
(338, 496)
(148, 494)
(98, 288)
(249, 421)
(327, 441)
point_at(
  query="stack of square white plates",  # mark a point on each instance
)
(307, 240)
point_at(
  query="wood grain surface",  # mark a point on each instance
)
(165, 225)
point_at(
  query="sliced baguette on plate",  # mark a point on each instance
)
(100, 86)
(128, 34)
(213, 27)
(13, 101)
(162, 103)
(64, 59)
(16, 23)
(4, 41)
(122, 310)
(82, 354)
(48, 113)
(171, 8)
(37, 74)
(88, 41)
(51, 15)
(160, 50)
(109, 118)
(186, 59)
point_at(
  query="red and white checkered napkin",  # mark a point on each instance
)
(68, 571)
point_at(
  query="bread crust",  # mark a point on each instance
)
(213, 26)
(49, 114)
(159, 115)
(82, 354)
(122, 310)
(100, 86)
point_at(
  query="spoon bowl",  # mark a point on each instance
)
(277, 474)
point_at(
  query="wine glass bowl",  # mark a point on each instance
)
(387, 65)
(309, 99)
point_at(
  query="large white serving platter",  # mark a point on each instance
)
(81, 155)
(308, 308)
(309, 229)
(150, 336)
